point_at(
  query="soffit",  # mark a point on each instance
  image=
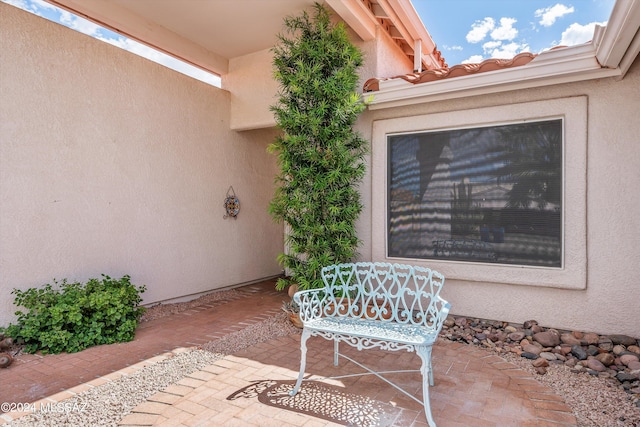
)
(209, 33)
(229, 28)
(204, 33)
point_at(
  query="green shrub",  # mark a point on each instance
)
(320, 156)
(73, 316)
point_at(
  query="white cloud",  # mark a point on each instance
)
(505, 31)
(489, 46)
(162, 59)
(549, 15)
(41, 4)
(577, 34)
(474, 59)
(133, 47)
(480, 29)
(33, 6)
(447, 47)
(17, 3)
(79, 24)
(508, 51)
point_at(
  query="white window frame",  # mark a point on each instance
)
(573, 274)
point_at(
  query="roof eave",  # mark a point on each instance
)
(575, 63)
(618, 43)
(610, 54)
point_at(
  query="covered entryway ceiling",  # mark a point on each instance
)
(207, 33)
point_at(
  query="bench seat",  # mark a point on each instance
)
(394, 333)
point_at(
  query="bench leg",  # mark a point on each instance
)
(335, 352)
(427, 377)
(303, 361)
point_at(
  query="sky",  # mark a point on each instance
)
(465, 31)
(55, 14)
(470, 31)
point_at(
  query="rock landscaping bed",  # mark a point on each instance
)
(598, 375)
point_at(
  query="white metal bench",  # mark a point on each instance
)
(376, 305)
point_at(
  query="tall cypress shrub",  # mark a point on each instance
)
(320, 156)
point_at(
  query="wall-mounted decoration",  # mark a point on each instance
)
(231, 204)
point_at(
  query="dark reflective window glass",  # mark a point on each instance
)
(488, 194)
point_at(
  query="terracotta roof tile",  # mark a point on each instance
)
(492, 64)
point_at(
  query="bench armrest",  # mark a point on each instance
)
(442, 314)
(311, 303)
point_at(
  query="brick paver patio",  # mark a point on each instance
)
(473, 387)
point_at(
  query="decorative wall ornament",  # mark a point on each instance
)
(231, 204)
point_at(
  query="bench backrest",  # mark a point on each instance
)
(383, 291)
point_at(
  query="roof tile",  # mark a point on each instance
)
(492, 64)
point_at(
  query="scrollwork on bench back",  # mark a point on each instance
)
(377, 291)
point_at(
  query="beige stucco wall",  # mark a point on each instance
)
(252, 89)
(608, 301)
(390, 60)
(112, 164)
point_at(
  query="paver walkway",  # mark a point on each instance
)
(473, 387)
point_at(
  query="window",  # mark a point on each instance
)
(557, 218)
(490, 194)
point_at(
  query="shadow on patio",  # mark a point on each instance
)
(473, 386)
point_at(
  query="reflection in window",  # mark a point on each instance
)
(488, 194)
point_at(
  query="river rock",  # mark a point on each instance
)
(516, 336)
(618, 350)
(579, 352)
(606, 359)
(592, 350)
(607, 356)
(568, 338)
(565, 349)
(634, 349)
(625, 376)
(596, 365)
(605, 343)
(528, 355)
(591, 338)
(532, 348)
(540, 363)
(623, 339)
(628, 358)
(547, 338)
(541, 370)
(461, 321)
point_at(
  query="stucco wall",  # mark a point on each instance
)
(390, 59)
(609, 303)
(112, 164)
(253, 90)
